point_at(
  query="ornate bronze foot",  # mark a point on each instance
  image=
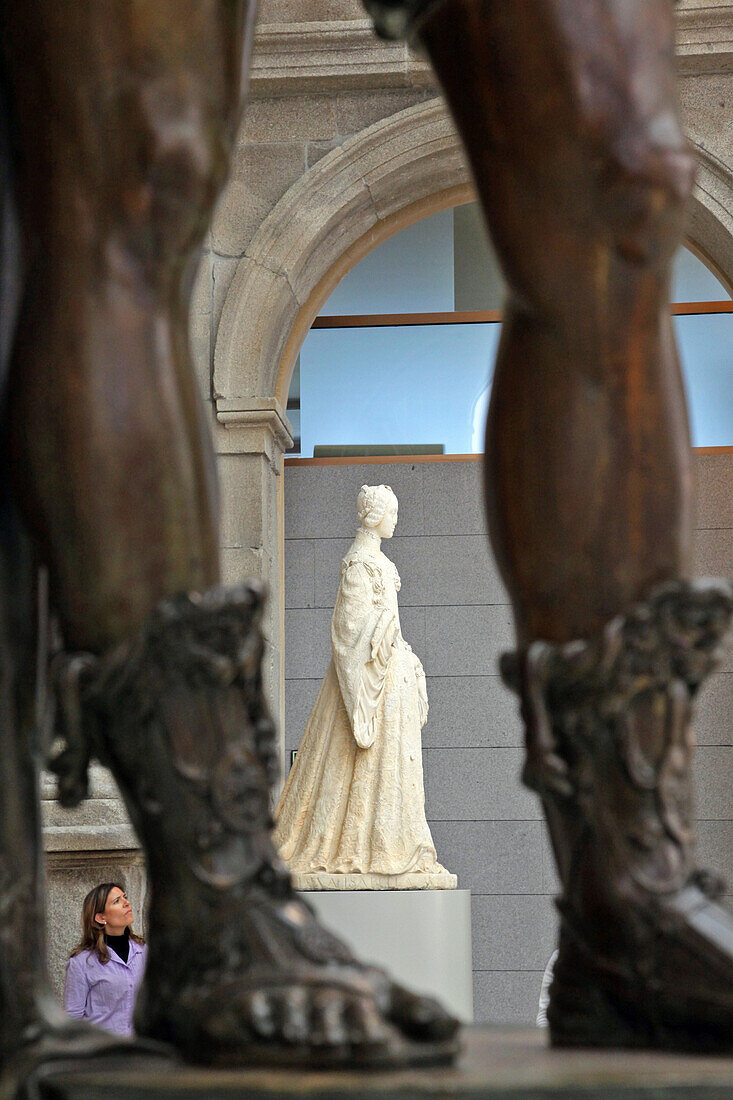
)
(239, 971)
(646, 953)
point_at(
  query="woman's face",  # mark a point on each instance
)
(117, 913)
(385, 529)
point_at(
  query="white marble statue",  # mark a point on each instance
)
(352, 813)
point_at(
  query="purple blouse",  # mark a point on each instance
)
(104, 993)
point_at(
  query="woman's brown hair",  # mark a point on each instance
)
(92, 934)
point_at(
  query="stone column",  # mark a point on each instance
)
(251, 438)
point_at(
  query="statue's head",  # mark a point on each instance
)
(376, 507)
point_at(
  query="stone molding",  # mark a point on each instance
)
(253, 425)
(89, 838)
(705, 39)
(294, 58)
(92, 862)
(100, 824)
(349, 201)
(340, 55)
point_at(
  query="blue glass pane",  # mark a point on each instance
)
(693, 281)
(430, 384)
(706, 347)
(411, 272)
(417, 384)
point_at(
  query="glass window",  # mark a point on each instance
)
(411, 272)
(693, 281)
(416, 384)
(706, 348)
(401, 356)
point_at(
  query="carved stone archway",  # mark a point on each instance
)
(390, 174)
(711, 212)
(381, 180)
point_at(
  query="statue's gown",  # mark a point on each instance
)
(354, 801)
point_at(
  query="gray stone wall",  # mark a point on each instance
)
(455, 615)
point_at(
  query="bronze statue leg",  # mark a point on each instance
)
(138, 108)
(583, 172)
(35, 1033)
(569, 115)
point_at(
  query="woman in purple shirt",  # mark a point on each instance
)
(106, 967)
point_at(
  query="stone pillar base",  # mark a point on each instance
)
(412, 880)
(422, 937)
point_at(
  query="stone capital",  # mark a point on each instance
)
(321, 56)
(253, 425)
(705, 37)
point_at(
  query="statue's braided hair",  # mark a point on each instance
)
(372, 503)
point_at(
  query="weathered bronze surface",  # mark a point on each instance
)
(262, 982)
(498, 1064)
(122, 116)
(568, 111)
(646, 953)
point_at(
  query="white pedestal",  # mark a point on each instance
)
(422, 937)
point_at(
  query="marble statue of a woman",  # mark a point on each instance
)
(352, 813)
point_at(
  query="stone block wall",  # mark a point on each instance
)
(456, 616)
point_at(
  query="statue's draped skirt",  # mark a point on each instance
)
(347, 809)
